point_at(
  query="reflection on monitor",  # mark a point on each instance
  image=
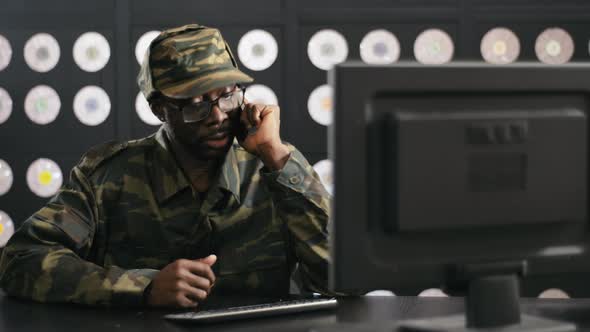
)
(467, 177)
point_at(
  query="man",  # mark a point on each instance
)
(189, 211)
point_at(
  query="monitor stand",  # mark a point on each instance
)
(492, 304)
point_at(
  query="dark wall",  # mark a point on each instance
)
(292, 76)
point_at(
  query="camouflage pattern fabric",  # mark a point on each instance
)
(128, 210)
(188, 61)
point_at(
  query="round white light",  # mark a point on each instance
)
(44, 177)
(320, 104)
(42, 104)
(91, 51)
(92, 105)
(257, 49)
(42, 52)
(326, 48)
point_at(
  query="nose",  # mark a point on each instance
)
(217, 116)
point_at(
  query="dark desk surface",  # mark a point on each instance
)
(18, 315)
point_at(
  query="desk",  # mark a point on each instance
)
(19, 315)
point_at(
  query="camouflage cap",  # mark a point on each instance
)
(188, 61)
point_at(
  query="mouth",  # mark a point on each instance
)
(219, 140)
(218, 135)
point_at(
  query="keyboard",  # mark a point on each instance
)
(255, 311)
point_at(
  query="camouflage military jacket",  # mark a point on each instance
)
(128, 210)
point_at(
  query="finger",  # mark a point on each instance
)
(183, 301)
(194, 294)
(250, 114)
(200, 269)
(212, 287)
(257, 115)
(266, 111)
(271, 110)
(209, 260)
(244, 116)
(197, 281)
(248, 121)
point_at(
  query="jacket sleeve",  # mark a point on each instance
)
(47, 258)
(303, 204)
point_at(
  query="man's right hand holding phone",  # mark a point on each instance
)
(262, 124)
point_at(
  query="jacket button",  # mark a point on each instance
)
(295, 179)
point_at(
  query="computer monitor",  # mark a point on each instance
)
(461, 175)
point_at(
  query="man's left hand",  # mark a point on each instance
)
(262, 123)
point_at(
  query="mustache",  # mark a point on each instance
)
(225, 131)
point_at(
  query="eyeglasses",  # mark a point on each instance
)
(227, 102)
